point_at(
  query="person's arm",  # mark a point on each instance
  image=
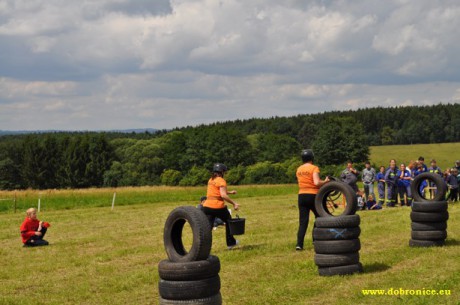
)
(224, 195)
(317, 180)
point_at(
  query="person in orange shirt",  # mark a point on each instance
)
(216, 195)
(309, 184)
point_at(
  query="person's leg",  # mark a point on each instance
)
(366, 191)
(409, 195)
(381, 190)
(371, 189)
(210, 214)
(390, 191)
(224, 215)
(303, 220)
(401, 192)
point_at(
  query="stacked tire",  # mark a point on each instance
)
(336, 242)
(189, 277)
(429, 216)
(336, 238)
(429, 224)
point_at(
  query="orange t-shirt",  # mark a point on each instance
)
(305, 178)
(214, 199)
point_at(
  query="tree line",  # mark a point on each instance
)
(257, 151)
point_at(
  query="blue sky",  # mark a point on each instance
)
(100, 64)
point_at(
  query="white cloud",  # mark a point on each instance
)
(121, 64)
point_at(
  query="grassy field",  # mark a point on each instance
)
(99, 256)
(445, 154)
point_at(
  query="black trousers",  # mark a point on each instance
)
(306, 203)
(36, 241)
(223, 214)
(453, 194)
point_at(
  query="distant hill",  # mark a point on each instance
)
(25, 132)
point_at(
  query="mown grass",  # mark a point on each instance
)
(99, 256)
(444, 153)
(79, 198)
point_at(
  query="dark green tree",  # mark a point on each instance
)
(339, 140)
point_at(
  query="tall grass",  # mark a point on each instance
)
(444, 153)
(71, 199)
(99, 256)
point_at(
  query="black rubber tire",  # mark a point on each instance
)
(202, 235)
(429, 206)
(428, 226)
(429, 235)
(429, 217)
(336, 233)
(341, 270)
(189, 271)
(336, 246)
(426, 243)
(436, 179)
(334, 260)
(212, 300)
(346, 221)
(187, 290)
(331, 187)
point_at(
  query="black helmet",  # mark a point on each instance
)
(307, 155)
(219, 168)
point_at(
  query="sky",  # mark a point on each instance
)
(120, 64)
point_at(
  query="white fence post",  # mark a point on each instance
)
(113, 200)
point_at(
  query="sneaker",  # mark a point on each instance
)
(233, 246)
(298, 248)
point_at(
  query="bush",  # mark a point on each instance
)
(265, 173)
(196, 176)
(171, 177)
(235, 175)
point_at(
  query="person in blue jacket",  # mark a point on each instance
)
(404, 179)
(421, 161)
(419, 170)
(380, 178)
(434, 168)
(391, 179)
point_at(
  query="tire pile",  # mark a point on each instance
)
(429, 217)
(336, 238)
(189, 277)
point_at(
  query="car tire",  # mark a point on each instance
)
(429, 226)
(429, 235)
(188, 290)
(212, 300)
(346, 221)
(341, 270)
(436, 179)
(336, 246)
(188, 271)
(202, 235)
(429, 217)
(335, 186)
(336, 233)
(429, 206)
(334, 260)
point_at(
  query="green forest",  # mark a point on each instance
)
(257, 151)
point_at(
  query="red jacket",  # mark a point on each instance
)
(28, 228)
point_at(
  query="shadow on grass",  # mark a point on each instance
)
(250, 247)
(452, 242)
(375, 267)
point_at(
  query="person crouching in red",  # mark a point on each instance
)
(33, 230)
